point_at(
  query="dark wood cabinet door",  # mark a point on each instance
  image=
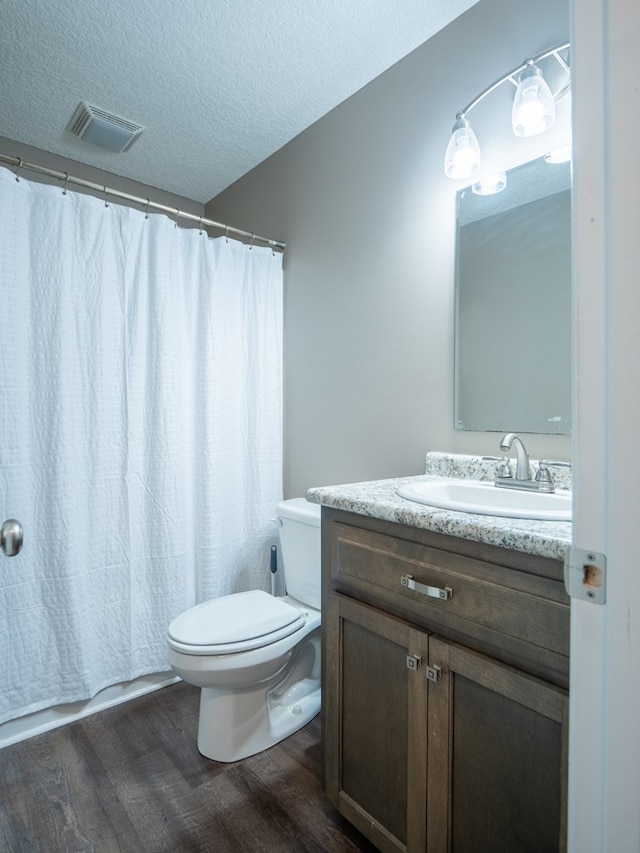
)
(497, 757)
(375, 742)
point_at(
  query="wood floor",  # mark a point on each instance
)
(131, 779)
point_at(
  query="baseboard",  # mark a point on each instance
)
(14, 731)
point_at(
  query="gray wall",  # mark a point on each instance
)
(368, 217)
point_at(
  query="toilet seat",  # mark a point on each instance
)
(234, 623)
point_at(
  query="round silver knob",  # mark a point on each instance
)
(11, 537)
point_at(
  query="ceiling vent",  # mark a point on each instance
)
(104, 129)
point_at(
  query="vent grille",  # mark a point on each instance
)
(99, 127)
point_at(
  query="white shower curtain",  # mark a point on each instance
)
(140, 434)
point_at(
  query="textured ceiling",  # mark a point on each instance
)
(218, 85)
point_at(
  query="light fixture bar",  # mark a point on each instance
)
(533, 111)
(552, 51)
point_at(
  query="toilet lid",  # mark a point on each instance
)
(234, 619)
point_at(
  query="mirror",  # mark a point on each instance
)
(513, 304)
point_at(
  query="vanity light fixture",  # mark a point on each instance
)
(490, 186)
(558, 155)
(462, 157)
(533, 110)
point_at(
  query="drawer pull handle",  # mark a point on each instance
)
(443, 593)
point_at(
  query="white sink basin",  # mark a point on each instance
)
(487, 499)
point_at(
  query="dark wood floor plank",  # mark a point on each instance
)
(230, 821)
(130, 780)
(93, 819)
(304, 806)
(53, 790)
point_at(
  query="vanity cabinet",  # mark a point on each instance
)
(445, 676)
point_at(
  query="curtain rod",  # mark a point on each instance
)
(145, 203)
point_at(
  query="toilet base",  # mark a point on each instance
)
(235, 725)
(237, 722)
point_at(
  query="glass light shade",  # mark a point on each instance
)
(490, 186)
(559, 155)
(462, 157)
(534, 109)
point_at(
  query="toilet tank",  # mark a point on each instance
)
(300, 543)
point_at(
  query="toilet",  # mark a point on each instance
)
(256, 657)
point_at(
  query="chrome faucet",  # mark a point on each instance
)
(522, 479)
(523, 470)
(542, 482)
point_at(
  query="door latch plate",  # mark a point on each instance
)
(585, 575)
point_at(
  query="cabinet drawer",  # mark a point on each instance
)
(415, 578)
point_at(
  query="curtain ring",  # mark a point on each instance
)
(200, 231)
(253, 237)
(226, 233)
(18, 167)
(66, 181)
(146, 209)
(175, 222)
(106, 193)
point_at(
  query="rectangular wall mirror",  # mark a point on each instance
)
(513, 304)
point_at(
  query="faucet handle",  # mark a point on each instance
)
(543, 475)
(503, 469)
(544, 478)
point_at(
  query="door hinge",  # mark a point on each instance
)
(585, 575)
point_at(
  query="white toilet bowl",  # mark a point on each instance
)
(252, 696)
(256, 659)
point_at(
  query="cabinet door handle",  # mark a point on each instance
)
(433, 673)
(443, 593)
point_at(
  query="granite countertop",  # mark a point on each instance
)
(378, 499)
